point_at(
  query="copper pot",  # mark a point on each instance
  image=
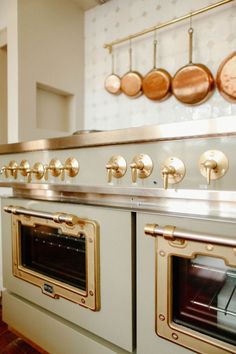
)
(131, 82)
(193, 83)
(226, 78)
(112, 82)
(157, 82)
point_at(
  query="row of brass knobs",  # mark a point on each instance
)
(142, 166)
(55, 167)
(213, 164)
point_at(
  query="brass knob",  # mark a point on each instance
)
(116, 167)
(55, 167)
(141, 167)
(166, 172)
(38, 170)
(71, 166)
(12, 168)
(173, 171)
(24, 168)
(4, 171)
(209, 166)
(213, 165)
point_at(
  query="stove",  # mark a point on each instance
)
(123, 227)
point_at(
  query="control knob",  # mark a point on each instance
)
(116, 167)
(173, 171)
(141, 167)
(213, 165)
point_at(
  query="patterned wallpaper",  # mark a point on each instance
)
(214, 39)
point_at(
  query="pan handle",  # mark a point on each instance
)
(190, 32)
(171, 233)
(130, 56)
(60, 218)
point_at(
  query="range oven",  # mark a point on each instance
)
(123, 242)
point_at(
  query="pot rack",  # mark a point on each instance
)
(110, 45)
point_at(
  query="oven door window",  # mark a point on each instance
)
(48, 251)
(204, 296)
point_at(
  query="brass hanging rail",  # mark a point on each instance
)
(164, 24)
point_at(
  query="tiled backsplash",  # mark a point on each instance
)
(214, 39)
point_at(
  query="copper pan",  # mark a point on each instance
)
(157, 83)
(226, 78)
(193, 83)
(112, 81)
(131, 82)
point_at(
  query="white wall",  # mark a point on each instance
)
(214, 39)
(8, 21)
(50, 53)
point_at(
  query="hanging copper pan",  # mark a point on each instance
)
(193, 83)
(226, 78)
(157, 83)
(112, 81)
(131, 82)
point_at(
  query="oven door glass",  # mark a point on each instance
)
(62, 259)
(204, 296)
(48, 251)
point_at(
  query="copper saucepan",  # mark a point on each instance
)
(226, 78)
(157, 82)
(112, 81)
(131, 82)
(193, 83)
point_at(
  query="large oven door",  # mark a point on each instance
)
(68, 259)
(195, 282)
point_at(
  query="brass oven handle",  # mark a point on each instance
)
(68, 219)
(170, 232)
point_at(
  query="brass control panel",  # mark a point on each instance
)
(213, 164)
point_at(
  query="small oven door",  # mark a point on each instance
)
(195, 283)
(67, 259)
(58, 252)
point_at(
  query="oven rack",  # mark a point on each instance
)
(223, 299)
(216, 308)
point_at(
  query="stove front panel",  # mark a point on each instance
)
(186, 289)
(116, 278)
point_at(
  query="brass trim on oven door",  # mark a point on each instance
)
(90, 297)
(167, 246)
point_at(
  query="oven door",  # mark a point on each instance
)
(195, 282)
(68, 259)
(58, 252)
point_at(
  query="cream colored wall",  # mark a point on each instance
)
(3, 89)
(51, 54)
(8, 29)
(8, 22)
